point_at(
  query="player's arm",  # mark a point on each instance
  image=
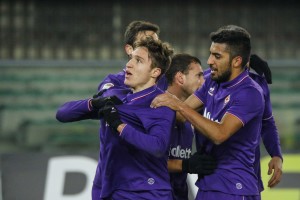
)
(154, 140)
(173, 102)
(76, 110)
(216, 132)
(270, 138)
(232, 121)
(271, 141)
(83, 109)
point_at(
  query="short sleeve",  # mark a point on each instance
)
(247, 104)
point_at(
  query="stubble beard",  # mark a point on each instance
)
(224, 77)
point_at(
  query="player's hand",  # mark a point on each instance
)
(275, 168)
(261, 67)
(166, 99)
(99, 102)
(199, 164)
(111, 115)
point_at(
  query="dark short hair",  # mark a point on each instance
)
(180, 63)
(237, 40)
(135, 27)
(159, 52)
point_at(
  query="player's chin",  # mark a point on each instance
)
(128, 83)
(214, 77)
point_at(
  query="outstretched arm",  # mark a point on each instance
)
(75, 111)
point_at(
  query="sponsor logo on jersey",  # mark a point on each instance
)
(210, 91)
(107, 86)
(207, 115)
(227, 99)
(178, 152)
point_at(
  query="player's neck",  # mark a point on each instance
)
(176, 92)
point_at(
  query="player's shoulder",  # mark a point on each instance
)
(112, 80)
(261, 80)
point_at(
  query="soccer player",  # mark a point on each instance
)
(184, 76)
(134, 138)
(233, 105)
(269, 132)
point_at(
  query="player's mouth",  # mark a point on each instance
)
(213, 70)
(127, 74)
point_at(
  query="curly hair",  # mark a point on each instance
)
(159, 52)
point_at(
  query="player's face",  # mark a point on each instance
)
(219, 62)
(193, 79)
(139, 75)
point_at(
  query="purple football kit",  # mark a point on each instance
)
(269, 132)
(243, 98)
(137, 159)
(181, 139)
(133, 163)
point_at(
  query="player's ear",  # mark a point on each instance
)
(156, 72)
(128, 49)
(237, 61)
(179, 78)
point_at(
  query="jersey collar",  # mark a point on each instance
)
(141, 94)
(235, 81)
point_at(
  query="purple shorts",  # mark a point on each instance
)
(121, 194)
(208, 195)
(151, 194)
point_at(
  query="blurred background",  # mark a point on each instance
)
(56, 51)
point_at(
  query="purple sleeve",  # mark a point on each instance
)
(155, 140)
(75, 110)
(112, 80)
(268, 107)
(270, 137)
(269, 132)
(247, 104)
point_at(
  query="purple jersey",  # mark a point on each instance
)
(181, 139)
(269, 132)
(243, 98)
(180, 148)
(137, 159)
